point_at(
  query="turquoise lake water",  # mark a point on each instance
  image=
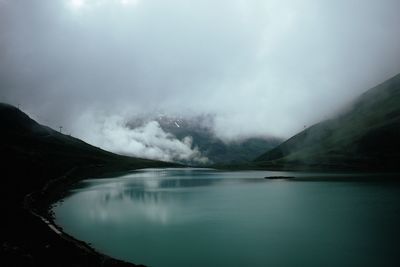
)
(204, 217)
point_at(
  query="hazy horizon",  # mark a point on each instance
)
(257, 68)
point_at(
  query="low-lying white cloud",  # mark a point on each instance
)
(146, 141)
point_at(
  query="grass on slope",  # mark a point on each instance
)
(365, 136)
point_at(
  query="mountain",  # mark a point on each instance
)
(39, 149)
(38, 164)
(199, 129)
(366, 136)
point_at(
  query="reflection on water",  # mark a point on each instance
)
(197, 217)
(150, 194)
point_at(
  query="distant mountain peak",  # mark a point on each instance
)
(200, 130)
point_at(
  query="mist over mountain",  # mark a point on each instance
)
(199, 130)
(365, 136)
(262, 68)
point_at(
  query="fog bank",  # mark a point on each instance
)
(265, 68)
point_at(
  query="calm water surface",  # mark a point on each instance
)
(203, 217)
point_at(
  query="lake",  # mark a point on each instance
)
(205, 217)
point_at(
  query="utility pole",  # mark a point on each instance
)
(60, 129)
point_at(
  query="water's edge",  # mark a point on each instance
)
(39, 204)
(319, 177)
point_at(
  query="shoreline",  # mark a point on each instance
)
(38, 204)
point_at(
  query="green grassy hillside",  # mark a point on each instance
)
(364, 137)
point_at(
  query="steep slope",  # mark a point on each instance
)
(364, 137)
(27, 145)
(35, 158)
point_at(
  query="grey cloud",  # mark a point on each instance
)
(261, 67)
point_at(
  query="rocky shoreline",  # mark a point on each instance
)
(35, 222)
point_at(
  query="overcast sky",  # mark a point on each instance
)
(264, 67)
